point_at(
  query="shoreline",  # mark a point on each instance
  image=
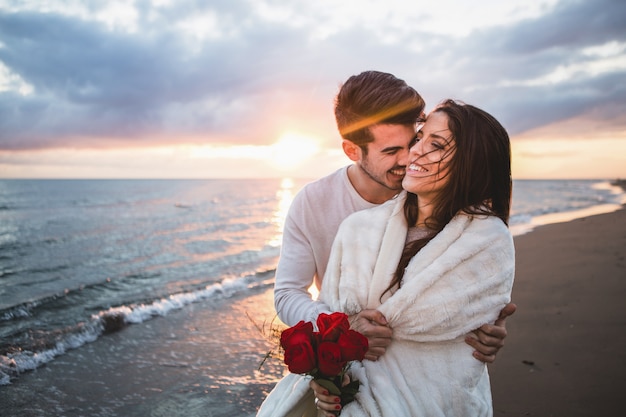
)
(565, 354)
(200, 361)
(570, 215)
(563, 217)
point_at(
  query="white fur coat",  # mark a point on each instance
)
(458, 282)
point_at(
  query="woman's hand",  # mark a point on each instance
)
(325, 401)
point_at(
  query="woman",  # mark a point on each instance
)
(438, 262)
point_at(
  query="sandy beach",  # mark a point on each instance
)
(565, 356)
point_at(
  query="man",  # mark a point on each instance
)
(376, 115)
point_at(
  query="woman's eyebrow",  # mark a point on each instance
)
(437, 135)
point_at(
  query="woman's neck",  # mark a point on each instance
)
(425, 210)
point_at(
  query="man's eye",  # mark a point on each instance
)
(413, 141)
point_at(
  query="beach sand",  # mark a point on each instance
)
(566, 350)
(565, 354)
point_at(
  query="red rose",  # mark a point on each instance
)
(299, 352)
(329, 358)
(301, 327)
(325, 354)
(353, 346)
(332, 325)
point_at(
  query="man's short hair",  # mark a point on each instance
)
(371, 98)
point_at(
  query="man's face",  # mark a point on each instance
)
(386, 159)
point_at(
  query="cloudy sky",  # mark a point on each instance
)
(245, 88)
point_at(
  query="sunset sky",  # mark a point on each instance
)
(245, 88)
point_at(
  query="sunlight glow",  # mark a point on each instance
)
(568, 158)
(293, 149)
(219, 152)
(314, 291)
(175, 161)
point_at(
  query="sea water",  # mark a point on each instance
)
(77, 257)
(83, 258)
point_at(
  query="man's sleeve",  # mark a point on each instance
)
(296, 270)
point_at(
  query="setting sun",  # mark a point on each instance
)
(292, 149)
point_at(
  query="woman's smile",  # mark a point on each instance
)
(414, 167)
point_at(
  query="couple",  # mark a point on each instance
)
(417, 271)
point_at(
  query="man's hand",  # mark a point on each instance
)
(373, 325)
(489, 338)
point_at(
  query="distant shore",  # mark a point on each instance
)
(619, 182)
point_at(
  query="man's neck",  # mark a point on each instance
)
(367, 188)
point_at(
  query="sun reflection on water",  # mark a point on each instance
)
(285, 196)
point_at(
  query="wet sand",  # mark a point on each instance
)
(566, 350)
(565, 356)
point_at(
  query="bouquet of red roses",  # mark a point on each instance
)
(325, 354)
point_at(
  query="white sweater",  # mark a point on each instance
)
(310, 228)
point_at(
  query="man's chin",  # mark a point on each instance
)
(395, 185)
(394, 181)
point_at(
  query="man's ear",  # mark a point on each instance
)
(351, 150)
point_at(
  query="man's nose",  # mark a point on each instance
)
(403, 157)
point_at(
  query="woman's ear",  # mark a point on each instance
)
(351, 150)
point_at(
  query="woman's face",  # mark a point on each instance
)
(429, 157)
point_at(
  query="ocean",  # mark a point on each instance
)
(82, 259)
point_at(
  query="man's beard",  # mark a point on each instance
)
(364, 166)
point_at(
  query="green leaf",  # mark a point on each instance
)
(349, 391)
(352, 385)
(332, 388)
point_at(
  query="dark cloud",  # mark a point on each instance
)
(93, 84)
(528, 107)
(86, 80)
(504, 69)
(571, 24)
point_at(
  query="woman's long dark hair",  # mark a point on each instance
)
(479, 176)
